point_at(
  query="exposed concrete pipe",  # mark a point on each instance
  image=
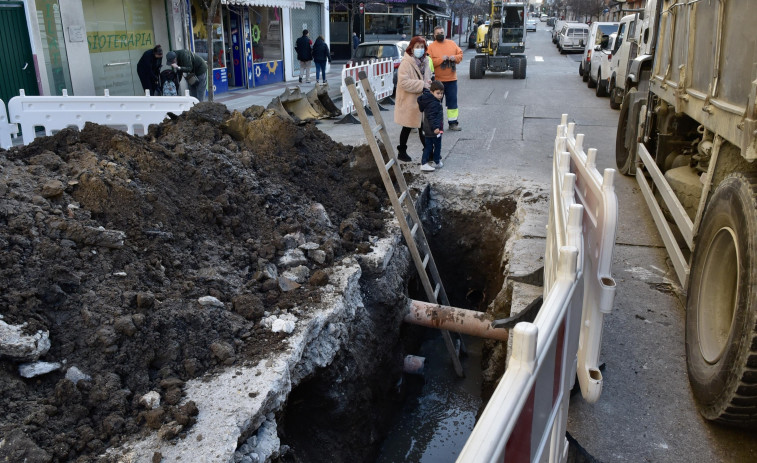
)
(454, 319)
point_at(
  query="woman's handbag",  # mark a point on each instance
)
(191, 79)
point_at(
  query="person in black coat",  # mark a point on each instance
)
(321, 55)
(430, 104)
(148, 69)
(304, 50)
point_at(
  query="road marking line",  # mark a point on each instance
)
(491, 139)
(538, 58)
(506, 93)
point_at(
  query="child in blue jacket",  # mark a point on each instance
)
(430, 104)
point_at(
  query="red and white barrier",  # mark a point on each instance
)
(526, 417)
(54, 113)
(380, 75)
(7, 130)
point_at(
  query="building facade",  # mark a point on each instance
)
(84, 47)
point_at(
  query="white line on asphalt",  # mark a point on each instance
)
(491, 139)
(506, 93)
(538, 58)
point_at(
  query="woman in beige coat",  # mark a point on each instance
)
(413, 76)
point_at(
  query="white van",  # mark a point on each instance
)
(597, 31)
(626, 49)
(599, 67)
(573, 37)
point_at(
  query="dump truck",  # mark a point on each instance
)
(501, 45)
(688, 132)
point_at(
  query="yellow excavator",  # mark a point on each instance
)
(501, 44)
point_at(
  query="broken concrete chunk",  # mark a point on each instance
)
(210, 301)
(269, 269)
(286, 284)
(292, 258)
(75, 375)
(299, 274)
(150, 401)
(292, 240)
(285, 326)
(309, 246)
(22, 347)
(317, 255)
(30, 370)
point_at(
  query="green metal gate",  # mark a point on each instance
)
(17, 68)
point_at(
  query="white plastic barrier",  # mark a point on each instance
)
(526, 417)
(380, 74)
(7, 130)
(55, 113)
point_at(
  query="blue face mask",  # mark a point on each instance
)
(419, 52)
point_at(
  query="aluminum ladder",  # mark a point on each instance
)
(414, 235)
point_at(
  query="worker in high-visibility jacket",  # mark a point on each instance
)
(446, 55)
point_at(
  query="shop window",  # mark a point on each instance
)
(53, 45)
(200, 33)
(387, 26)
(339, 28)
(265, 34)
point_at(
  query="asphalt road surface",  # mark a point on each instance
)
(646, 412)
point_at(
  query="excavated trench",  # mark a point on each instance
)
(362, 407)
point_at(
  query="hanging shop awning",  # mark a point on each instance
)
(434, 13)
(292, 4)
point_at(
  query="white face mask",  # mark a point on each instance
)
(419, 52)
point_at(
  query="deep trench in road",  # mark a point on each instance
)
(362, 407)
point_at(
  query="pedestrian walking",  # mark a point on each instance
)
(304, 49)
(433, 124)
(355, 43)
(148, 69)
(321, 55)
(446, 55)
(413, 76)
(193, 68)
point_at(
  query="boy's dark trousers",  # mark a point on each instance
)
(433, 146)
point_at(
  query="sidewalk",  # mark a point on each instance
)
(243, 98)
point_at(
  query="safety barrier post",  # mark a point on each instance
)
(7, 130)
(377, 71)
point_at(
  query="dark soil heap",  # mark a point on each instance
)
(206, 203)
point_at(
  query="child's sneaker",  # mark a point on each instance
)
(439, 164)
(427, 167)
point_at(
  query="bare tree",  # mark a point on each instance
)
(211, 6)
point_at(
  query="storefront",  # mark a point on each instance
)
(388, 20)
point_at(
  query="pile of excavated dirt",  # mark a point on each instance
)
(151, 261)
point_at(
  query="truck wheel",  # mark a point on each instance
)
(520, 68)
(601, 86)
(616, 96)
(626, 137)
(475, 68)
(585, 75)
(591, 83)
(721, 308)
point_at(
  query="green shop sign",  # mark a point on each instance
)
(106, 41)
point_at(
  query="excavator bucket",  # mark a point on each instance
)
(297, 104)
(321, 94)
(276, 106)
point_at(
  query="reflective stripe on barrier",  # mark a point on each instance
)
(58, 112)
(7, 130)
(380, 74)
(526, 417)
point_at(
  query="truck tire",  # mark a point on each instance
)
(475, 68)
(601, 86)
(616, 96)
(721, 308)
(625, 138)
(519, 71)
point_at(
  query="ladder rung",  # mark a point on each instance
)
(377, 129)
(436, 291)
(390, 164)
(425, 260)
(403, 196)
(414, 230)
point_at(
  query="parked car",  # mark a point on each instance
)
(596, 33)
(599, 66)
(531, 25)
(556, 28)
(380, 49)
(472, 37)
(543, 17)
(626, 48)
(573, 37)
(551, 21)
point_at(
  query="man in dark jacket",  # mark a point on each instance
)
(321, 55)
(193, 68)
(355, 43)
(148, 69)
(304, 50)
